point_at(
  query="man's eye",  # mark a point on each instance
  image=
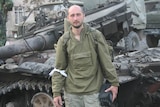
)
(72, 15)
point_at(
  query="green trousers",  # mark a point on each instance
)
(72, 100)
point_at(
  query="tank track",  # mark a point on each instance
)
(26, 84)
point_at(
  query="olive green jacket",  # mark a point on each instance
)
(82, 60)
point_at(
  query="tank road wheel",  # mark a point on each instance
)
(42, 100)
(151, 41)
(132, 41)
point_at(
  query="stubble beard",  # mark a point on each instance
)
(78, 26)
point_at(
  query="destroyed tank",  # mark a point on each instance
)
(139, 78)
(26, 63)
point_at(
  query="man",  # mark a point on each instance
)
(5, 6)
(83, 62)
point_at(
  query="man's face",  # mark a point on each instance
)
(75, 17)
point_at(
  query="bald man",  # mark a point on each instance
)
(77, 68)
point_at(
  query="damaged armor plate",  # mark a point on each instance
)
(139, 78)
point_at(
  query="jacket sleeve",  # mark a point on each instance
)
(105, 60)
(61, 64)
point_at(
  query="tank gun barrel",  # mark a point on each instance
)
(36, 43)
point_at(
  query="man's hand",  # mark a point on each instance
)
(57, 101)
(114, 91)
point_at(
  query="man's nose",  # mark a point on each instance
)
(75, 17)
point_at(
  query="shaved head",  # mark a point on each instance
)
(71, 8)
(75, 16)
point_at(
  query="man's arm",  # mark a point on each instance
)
(60, 64)
(108, 68)
(57, 78)
(105, 60)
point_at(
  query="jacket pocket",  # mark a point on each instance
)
(82, 61)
